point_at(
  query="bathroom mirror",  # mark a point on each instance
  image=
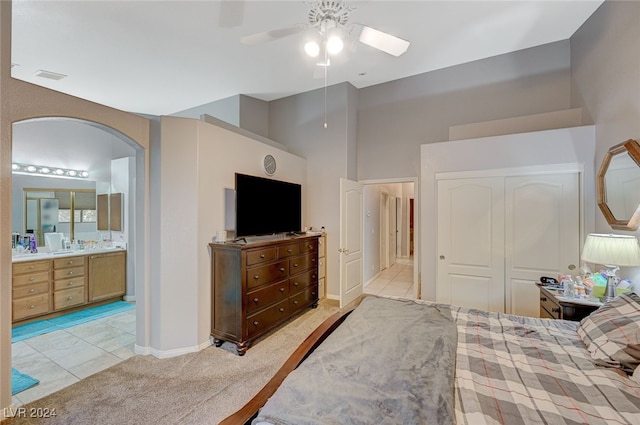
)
(618, 186)
(72, 212)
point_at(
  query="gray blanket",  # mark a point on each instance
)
(390, 362)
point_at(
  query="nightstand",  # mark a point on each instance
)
(554, 306)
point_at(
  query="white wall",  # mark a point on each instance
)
(123, 171)
(198, 161)
(563, 146)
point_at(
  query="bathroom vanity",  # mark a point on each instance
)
(45, 284)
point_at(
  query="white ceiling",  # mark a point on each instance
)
(161, 57)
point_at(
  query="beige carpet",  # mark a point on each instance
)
(197, 388)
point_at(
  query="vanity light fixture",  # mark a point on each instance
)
(44, 170)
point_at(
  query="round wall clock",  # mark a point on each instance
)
(269, 165)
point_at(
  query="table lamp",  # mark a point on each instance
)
(611, 251)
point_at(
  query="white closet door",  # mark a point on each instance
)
(542, 235)
(471, 243)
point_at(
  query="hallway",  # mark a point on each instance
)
(396, 281)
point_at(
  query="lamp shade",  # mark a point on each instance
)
(611, 250)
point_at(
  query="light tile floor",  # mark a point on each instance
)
(61, 358)
(395, 281)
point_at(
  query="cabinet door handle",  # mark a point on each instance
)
(281, 309)
(255, 300)
(281, 289)
(256, 276)
(255, 323)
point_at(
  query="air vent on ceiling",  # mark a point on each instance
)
(48, 74)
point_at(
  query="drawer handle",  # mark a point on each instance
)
(261, 255)
(32, 290)
(255, 323)
(281, 289)
(32, 306)
(310, 246)
(256, 276)
(295, 302)
(70, 283)
(295, 284)
(289, 251)
(255, 300)
(70, 273)
(543, 299)
(313, 294)
(69, 298)
(555, 310)
(31, 279)
(282, 269)
(70, 262)
(313, 276)
(32, 267)
(281, 309)
(313, 260)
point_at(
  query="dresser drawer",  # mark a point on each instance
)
(259, 276)
(310, 246)
(304, 262)
(30, 278)
(258, 256)
(74, 282)
(31, 267)
(301, 281)
(263, 297)
(30, 306)
(267, 318)
(303, 299)
(69, 272)
(550, 305)
(61, 263)
(30, 290)
(288, 250)
(68, 298)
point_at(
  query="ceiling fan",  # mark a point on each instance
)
(330, 18)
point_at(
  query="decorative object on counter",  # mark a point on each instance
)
(611, 251)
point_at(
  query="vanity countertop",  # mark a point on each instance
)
(18, 258)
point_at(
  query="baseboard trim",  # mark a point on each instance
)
(165, 354)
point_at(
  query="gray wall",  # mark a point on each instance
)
(605, 64)
(395, 118)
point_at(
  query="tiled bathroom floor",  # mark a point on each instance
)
(396, 281)
(61, 358)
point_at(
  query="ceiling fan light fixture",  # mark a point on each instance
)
(382, 41)
(312, 48)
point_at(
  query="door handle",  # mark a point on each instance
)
(343, 251)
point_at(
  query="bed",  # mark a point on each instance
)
(393, 361)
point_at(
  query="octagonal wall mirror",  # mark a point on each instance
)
(618, 186)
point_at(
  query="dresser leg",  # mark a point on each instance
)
(314, 305)
(217, 342)
(242, 348)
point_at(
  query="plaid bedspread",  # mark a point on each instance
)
(517, 370)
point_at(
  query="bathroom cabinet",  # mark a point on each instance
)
(52, 284)
(256, 287)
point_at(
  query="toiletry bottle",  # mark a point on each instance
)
(32, 245)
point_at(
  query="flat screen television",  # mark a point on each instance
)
(267, 206)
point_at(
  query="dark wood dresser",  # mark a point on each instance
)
(256, 287)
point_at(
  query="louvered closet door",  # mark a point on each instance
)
(542, 235)
(471, 243)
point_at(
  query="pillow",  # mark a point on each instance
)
(611, 329)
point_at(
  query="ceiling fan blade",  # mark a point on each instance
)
(382, 41)
(264, 37)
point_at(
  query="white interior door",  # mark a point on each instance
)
(471, 243)
(542, 235)
(351, 228)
